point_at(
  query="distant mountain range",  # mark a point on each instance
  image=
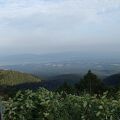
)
(51, 84)
(56, 81)
(21, 81)
(36, 58)
(55, 57)
(18, 80)
(113, 80)
(49, 65)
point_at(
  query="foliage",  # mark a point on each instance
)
(90, 83)
(66, 88)
(45, 105)
(10, 78)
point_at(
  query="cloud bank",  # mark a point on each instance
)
(42, 26)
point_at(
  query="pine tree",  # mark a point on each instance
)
(90, 83)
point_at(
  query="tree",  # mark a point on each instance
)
(90, 83)
(65, 87)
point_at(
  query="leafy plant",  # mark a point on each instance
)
(45, 105)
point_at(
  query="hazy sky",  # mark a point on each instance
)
(45, 26)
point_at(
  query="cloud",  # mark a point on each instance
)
(54, 23)
(15, 9)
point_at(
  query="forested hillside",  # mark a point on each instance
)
(85, 100)
(113, 80)
(11, 78)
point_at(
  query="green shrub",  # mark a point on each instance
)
(45, 105)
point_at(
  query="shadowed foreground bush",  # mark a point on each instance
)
(45, 105)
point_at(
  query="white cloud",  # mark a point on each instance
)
(39, 22)
(24, 8)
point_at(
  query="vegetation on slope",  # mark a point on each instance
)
(45, 105)
(90, 83)
(10, 78)
(84, 101)
(113, 80)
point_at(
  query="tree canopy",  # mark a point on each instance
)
(90, 83)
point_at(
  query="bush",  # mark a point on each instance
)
(46, 105)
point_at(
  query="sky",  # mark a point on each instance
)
(51, 26)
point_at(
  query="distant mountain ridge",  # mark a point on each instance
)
(52, 84)
(51, 57)
(57, 81)
(24, 80)
(113, 80)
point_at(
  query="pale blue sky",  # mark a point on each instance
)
(46, 26)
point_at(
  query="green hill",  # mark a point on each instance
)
(10, 78)
(113, 80)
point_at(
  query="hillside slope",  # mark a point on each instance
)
(51, 84)
(57, 81)
(113, 80)
(10, 78)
